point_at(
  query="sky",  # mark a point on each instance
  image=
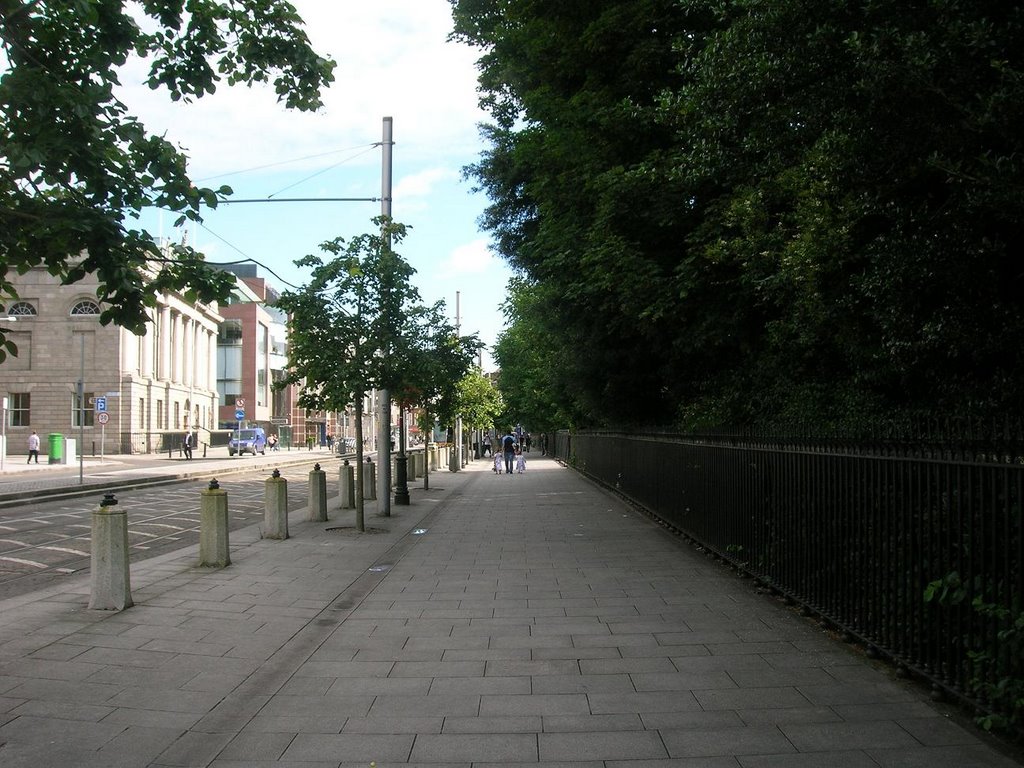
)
(393, 60)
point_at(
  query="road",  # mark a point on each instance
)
(46, 541)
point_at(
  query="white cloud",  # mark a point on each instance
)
(472, 258)
(393, 59)
(422, 184)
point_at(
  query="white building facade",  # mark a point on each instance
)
(154, 386)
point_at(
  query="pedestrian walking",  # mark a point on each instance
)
(508, 451)
(520, 460)
(487, 446)
(186, 444)
(497, 463)
(33, 448)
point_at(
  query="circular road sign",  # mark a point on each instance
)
(239, 414)
(102, 417)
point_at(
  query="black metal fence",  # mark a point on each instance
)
(912, 545)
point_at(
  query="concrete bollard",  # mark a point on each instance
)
(275, 511)
(432, 449)
(417, 465)
(110, 581)
(370, 480)
(213, 527)
(317, 495)
(347, 485)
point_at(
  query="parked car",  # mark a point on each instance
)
(252, 440)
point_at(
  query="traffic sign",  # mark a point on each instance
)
(239, 402)
(101, 405)
(239, 414)
(102, 417)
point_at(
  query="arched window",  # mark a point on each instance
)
(21, 309)
(85, 307)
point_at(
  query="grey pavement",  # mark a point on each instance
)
(498, 620)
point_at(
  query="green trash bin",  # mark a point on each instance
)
(56, 447)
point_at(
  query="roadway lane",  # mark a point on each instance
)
(46, 541)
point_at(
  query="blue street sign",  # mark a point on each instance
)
(101, 405)
(240, 414)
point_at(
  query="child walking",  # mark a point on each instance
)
(520, 460)
(497, 463)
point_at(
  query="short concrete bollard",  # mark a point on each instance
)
(347, 485)
(110, 581)
(213, 527)
(275, 514)
(317, 495)
(370, 481)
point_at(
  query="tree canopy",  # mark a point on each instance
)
(760, 210)
(76, 167)
(359, 324)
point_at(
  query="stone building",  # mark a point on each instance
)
(153, 386)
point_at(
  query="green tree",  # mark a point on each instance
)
(479, 401)
(757, 211)
(76, 167)
(358, 325)
(537, 373)
(438, 364)
(574, 90)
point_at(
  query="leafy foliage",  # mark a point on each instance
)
(75, 166)
(479, 401)
(756, 211)
(359, 325)
(996, 674)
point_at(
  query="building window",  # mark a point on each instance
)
(85, 307)
(159, 414)
(78, 411)
(20, 403)
(229, 333)
(21, 309)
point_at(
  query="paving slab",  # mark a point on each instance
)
(539, 621)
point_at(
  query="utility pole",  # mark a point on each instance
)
(456, 461)
(384, 441)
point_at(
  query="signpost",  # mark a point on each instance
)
(240, 414)
(100, 408)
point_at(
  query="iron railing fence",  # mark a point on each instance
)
(860, 532)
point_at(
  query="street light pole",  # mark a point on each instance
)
(3, 411)
(81, 411)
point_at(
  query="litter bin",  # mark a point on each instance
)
(56, 448)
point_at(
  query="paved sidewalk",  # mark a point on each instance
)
(497, 621)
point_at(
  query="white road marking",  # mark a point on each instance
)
(18, 560)
(66, 549)
(162, 525)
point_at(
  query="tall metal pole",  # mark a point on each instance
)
(458, 331)
(384, 447)
(81, 412)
